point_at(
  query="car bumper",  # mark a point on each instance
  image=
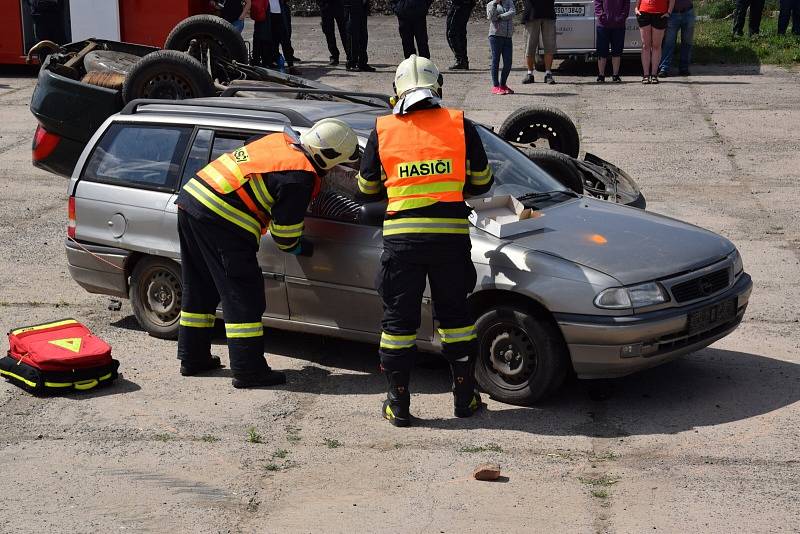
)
(98, 269)
(606, 347)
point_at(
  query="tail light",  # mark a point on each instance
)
(44, 143)
(71, 224)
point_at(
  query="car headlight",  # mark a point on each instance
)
(639, 296)
(738, 265)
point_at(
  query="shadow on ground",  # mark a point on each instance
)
(708, 388)
(631, 66)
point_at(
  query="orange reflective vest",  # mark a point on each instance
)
(231, 172)
(424, 154)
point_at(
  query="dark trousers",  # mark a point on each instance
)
(414, 29)
(756, 10)
(220, 263)
(355, 15)
(280, 38)
(501, 48)
(457, 18)
(262, 47)
(401, 283)
(789, 9)
(332, 17)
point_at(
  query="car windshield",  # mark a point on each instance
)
(514, 174)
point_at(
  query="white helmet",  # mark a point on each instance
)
(330, 142)
(417, 73)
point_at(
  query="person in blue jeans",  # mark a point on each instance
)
(681, 20)
(501, 27)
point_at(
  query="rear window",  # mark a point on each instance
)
(142, 156)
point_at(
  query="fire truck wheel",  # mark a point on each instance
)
(168, 75)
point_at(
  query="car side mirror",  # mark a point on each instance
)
(372, 213)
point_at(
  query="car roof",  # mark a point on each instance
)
(301, 113)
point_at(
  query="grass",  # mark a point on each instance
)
(600, 493)
(293, 434)
(280, 453)
(714, 43)
(163, 437)
(208, 438)
(603, 481)
(332, 443)
(489, 447)
(253, 436)
(272, 467)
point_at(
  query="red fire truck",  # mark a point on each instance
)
(136, 21)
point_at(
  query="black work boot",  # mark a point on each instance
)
(466, 400)
(398, 399)
(191, 368)
(259, 380)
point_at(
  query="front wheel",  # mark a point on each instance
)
(521, 357)
(156, 292)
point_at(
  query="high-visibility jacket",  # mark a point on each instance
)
(424, 155)
(232, 172)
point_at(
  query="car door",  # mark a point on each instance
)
(633, 39)
(575, 26)
(336, 286)
(208, 145)
(127, 184)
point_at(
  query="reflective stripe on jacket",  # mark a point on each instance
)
(232, 171)
(424, 156)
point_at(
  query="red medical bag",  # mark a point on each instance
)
(58, 356)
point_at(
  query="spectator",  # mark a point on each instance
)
(458, 14)
(332, 13)
(279, 35)
(610, 17)
(756, 10)
(789, 9)
(682, 19)
(355, 15)
(262, 55)
(501, 26)
(539, 17)
(412, 23)
(234, 12)
(652, 16)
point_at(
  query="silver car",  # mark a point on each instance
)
(575, 31)
(602, 289)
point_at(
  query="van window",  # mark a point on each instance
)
(143, 156)
(198, 155)
(228, 142)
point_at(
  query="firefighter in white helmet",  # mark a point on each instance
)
(425, 158)
(266, 185)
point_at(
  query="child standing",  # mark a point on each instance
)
(501, 26)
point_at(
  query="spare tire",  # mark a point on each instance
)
(558, 165)
(213, 33)
(531, 124)
(168, 75)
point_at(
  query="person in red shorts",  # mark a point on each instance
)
(652, 16)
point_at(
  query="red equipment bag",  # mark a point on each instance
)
(58, 356)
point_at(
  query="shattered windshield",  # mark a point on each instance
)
(514, 174)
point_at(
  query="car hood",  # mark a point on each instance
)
(629, 244)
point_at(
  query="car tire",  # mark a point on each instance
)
(215, 32)
(558, 165)
(167, 75)
(539, 358)
(531, 124)
(155, 293)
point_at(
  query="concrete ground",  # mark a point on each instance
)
(708, 443)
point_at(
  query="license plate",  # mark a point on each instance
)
(571, 11)
(715, 315)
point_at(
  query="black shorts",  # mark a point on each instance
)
(656, 20)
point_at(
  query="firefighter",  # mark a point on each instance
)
(223, 212)
(425, 158)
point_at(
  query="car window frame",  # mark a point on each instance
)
(136, 185)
